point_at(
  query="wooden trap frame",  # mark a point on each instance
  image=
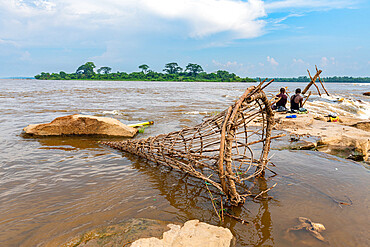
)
(225, 150)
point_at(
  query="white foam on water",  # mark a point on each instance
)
(340, 105)
(114, 112)
(196, 113)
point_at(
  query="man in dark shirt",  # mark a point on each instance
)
(296, 100)
(283, 98)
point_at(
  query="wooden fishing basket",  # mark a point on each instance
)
(225, 150)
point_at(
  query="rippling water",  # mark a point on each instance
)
(54, 188)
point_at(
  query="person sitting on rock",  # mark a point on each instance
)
(296, 100)
(281, 104)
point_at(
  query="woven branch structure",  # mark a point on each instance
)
(225, 150)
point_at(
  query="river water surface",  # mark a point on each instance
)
(52, 189)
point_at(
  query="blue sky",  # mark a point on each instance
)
(250, 38)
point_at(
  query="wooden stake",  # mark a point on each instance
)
(309, 94)
(318, 90)
(312, 82)
(322, 84)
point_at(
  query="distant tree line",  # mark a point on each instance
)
(172, 72)
(325, 79)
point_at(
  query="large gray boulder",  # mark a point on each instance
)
(81, 125)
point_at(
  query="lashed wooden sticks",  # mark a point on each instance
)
(222, 150)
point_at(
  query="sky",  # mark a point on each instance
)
(254, 38)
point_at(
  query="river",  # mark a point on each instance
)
(54, 188)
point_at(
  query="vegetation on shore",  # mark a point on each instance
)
(172, 72)
(326, 79)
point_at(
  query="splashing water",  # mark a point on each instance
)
(340, 105)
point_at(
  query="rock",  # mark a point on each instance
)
(356, 157)
(118, 235)
(366, 94)
(348, 137)
(302, 121)
(303, 145)
(362, 125)
(147, 232)
(320, 117)
(350, 134)
(81, 125)
(193, 233)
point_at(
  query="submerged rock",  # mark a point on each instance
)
(81, 125)
(146, 232)
(122, 234)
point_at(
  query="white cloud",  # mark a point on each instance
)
(8, 42)
(209, 16)
(26, 56)
(70, 19)
(309, 4)
(299, 61)
(201, 17)
(235, 66)
(326, 61)
(272, 61)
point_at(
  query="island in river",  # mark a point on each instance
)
(173, 72)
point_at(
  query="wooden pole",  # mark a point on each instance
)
(312, 82)
(318, 90)
(322, 84)
(309, 94)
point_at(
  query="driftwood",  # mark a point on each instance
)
(225, 150)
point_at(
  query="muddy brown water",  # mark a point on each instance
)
(52, 189)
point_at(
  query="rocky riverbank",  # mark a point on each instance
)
(348, 137)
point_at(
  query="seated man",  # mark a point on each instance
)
(296, 100)
(281, 104)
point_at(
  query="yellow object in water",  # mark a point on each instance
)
(341, 100)
(141, 124)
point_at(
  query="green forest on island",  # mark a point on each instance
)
(173, 72)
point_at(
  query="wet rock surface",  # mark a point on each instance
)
(193, 233)
(122, 234)
(349, 137)
(146, 232)
(81, 125)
